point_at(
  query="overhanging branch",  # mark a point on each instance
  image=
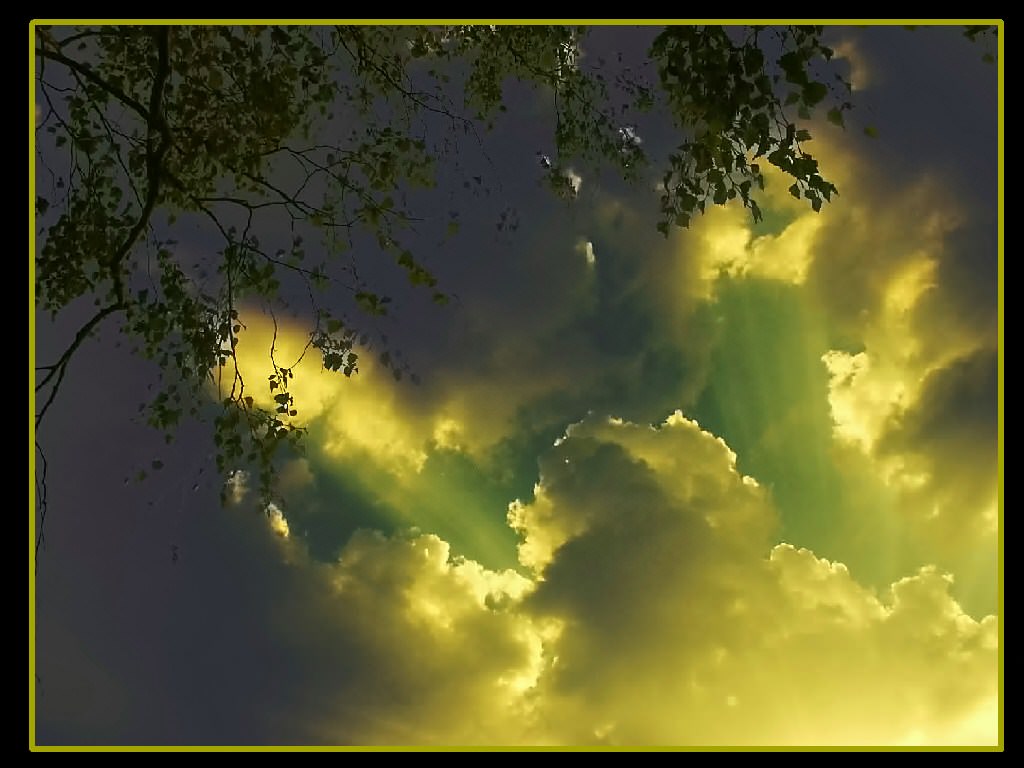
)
(86, 71)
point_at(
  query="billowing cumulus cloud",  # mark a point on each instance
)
(891, 292)
(917, 375)
(683, 624)
(416, 646)
(653, 608)
(653, 601)
(878, 276)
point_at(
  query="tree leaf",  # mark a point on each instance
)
(814, 92)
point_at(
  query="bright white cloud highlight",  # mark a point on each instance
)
(278, 523)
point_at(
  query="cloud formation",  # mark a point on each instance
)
(879, 277)
(898, 279)
(655, 610)
(684, 625)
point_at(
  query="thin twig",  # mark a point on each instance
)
(41, 503)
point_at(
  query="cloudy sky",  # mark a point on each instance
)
(734, 487)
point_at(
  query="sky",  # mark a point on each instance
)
(733, 487)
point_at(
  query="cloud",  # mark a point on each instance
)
(878, 276)
(365, 412)
(655, 609)
(417, 647)
(895, 284)
(899, 277)
(943, 451)
(652, 602)
(574, 179)
(237, 486)
(533, 334)
(278, 522)
(684, 625)
(726, 240)
(294, 475)
(859, 75)
(586, 248)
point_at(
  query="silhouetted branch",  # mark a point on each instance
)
(154, 158)
(86, 71)
(58, 368)
(157, 125)
(40, 502)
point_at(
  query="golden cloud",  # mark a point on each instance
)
(364, 415)
(658, 612)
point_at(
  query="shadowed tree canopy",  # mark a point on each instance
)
(299, 147)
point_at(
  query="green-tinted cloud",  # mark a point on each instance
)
(656, 611)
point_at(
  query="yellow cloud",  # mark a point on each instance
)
(660, 607)
(869, 387)
(429, 647)
(312, 387)
(681, 631)
(277, 520)
(363, 415)
(726, 243)
(659, 612)
(886, 286)
(881, 265)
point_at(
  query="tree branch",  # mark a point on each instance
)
(58, 368)
(154, 158)
(41, 502)
(86, 71)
